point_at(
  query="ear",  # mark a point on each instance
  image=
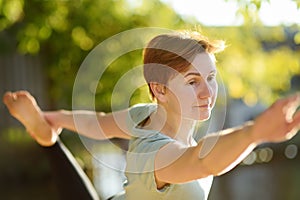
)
(159, 91)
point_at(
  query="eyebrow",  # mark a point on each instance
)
(192, 74)
(197, 73)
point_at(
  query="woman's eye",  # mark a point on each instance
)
(193, 82)
(211, 77)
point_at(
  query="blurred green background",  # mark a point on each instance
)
(44, 42)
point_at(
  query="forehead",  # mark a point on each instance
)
(203, 64)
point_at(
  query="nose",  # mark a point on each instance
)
(205, 91)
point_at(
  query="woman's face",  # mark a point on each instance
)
(192, 93)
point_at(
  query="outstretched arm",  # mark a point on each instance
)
(96, 125)
(44, 127)
(217, 154)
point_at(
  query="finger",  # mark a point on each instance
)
(296, 121)
(295, 98)
(8, 98)
(291, 100)
(291, 106)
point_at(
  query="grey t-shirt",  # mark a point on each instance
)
(140, 164)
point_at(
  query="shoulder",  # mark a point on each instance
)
(142, 109)
(138, 113)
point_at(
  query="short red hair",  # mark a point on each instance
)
(169, 53)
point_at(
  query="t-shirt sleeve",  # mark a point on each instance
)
(143, 146)
(141, 157)
(137, 114)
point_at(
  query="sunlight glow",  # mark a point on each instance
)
(222, 13)
(279, 12)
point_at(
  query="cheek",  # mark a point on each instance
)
(181, 92)
(214, 91)
(215, 88)
(188, 96)
(183, 96)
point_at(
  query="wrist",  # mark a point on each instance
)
(54, 118)
(254, 135)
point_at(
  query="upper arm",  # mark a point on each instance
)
(114, 124)
(177, 164)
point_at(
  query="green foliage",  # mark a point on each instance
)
(62, 33)
(252, 72)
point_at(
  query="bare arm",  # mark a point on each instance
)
(95, 125)
(23, 106)
(229, 147)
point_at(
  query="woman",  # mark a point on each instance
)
(163, 160)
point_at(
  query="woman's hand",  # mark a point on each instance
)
(278, 123)
(23, 106)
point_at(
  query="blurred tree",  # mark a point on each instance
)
(64, 32)
(257, 65)
(258, 62)
(249, 9)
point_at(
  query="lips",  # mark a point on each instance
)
(206, 104)
(203, 106)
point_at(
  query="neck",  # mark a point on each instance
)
(172, 125)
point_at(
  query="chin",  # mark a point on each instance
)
(203, 119)
(203, 116)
